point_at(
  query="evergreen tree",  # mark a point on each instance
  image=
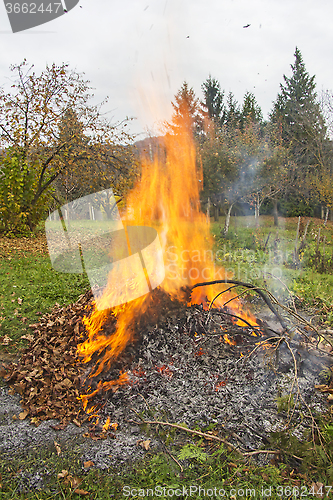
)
(251, 111)
(186, 110)
(213, 107)
(233, 114)
(297, 113)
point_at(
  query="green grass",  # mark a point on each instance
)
(203, 465)
(42, 474)
(247, 254)
(30, 287)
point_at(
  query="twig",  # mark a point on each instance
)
(159, 437)
(301, 320)
(275, 339)
(220, 293)
(291, 295)
(271, 452)
(190, 431)
(209, 437)
(251, 287)
(268, 452)
(238, 317)
(267, 240)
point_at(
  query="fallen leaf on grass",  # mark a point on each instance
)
(81, 492)
(88, 464)
(19, 300)
(318, 489)
(5, 340)
(75, 482)
(63, 473)
(144, 444)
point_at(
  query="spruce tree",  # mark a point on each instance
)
(297, 113)
(233, 114)
(251, 111)
(186, 110)
(213, 107)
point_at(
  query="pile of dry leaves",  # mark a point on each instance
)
(23, 245)
(48, 373)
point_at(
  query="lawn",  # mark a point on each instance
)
(263, 255)
(29, 288)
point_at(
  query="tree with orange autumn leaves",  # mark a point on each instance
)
(49, 132)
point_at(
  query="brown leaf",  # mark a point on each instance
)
(19, 300)
(75, 482)
(63, 473)
(28, 337)
(319, 490)
(81, 492)
(57, 447)
(5, 340)
(59, 427)
(23, 415)
(67, 383)
(88, 464)
(144, 444)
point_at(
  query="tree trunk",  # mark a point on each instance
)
(256, 211)
(216, 212)
(227, 221)
(326, 215)
(208, 211)
(275, 212)
(296, 259)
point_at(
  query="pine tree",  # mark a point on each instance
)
(213, 107)
(233, 114)
(297, 113)
(186, 110)
(251, 111)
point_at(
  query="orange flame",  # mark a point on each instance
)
(228, 340)
(166, 197)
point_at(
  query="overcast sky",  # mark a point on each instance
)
(138, 52)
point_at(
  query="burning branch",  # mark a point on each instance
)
(251, 287)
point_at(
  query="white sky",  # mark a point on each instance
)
(138, 52)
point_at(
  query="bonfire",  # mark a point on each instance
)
(86, 361)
